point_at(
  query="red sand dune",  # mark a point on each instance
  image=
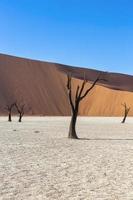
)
(42, 87)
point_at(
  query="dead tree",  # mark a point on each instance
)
(79, 96)
(126, 111)
(20, 110)
(9, 109)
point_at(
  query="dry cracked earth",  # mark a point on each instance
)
(38, 161)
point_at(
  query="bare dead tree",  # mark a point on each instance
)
(9, 109)
(20, 110)
(126, 111)
(79, 96)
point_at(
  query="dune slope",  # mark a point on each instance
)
(41, 86)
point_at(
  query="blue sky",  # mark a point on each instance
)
(89, 33)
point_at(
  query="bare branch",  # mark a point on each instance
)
(84, 76)
(77, 91)
(6, 107)
(126, 108)
(123, 104)
(69, 81)
(9, 107)
(87, 91)
(69, 91)
(20, 108)
(82, 88)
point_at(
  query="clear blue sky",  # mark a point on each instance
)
(88, 33)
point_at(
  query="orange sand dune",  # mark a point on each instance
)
(42, 87)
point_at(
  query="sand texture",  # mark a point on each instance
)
(41, 86)
(38, 162)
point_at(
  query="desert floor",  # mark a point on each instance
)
(38, 161)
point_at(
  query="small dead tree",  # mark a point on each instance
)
(20, 110)
(126, 111)
(9, 109)
(79, 96)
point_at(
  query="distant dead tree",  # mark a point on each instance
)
(20, 110)
(9, 108)
(79, 96)
(126, 111)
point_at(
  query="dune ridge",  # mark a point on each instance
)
(42, 87)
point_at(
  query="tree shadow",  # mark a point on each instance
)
(101, 139)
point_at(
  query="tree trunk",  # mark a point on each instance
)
(124, 119)
(72, 128)
(20, 118)
(9, 117)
